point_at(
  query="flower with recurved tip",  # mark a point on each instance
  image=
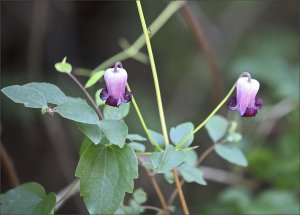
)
(245, 100)
(115, 92)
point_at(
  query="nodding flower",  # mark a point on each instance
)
(115, 92)
(245, 100)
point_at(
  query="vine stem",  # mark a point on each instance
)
(207, 118)
(67, 192)
(156, 146)
(87, 95)
(159, 101)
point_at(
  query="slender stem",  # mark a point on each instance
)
(66, 193)
(149, 207)
(154, 73)
(159, 101)
(164, 16)
(207, 118)
(156, 146)
(9, 167)
(87, 95)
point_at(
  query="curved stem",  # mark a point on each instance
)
(149, 207)
(207, 118)
(87, 95)
(159, 101)
(66, 193)
(156, 146)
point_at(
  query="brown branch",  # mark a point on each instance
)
(7, 163)
(204, 44)
(180, 193)
(87, 95)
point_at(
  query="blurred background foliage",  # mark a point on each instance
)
(261, 37)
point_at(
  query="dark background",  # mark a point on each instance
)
(261, 37)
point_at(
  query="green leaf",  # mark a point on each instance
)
(192, 174)
(93, 80)
(63, 66)
(133, 208)
(232, 154)
(51, 92)
(93, 132)
(190, 157)
(169, 177)
(84, 145)
(137, 146)
(135, 137)
(25, 95)
(216, 127)
(98, 100)
(234, 137)
(116, 113)
(167, 160)
(29, 198)
(158, 138)
(106, 172)
(180, 132)
(78, 111)
(140, 196)
(115, 131)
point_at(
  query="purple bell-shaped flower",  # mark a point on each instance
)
(245, 100)
(115, 92)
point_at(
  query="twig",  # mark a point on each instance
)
(9, 167)
(66, 193)
(87, 95)
(157, 189)
(204, 44)
(149, 207)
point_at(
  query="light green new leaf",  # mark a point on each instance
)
(98, 100)
(93, 132)
(180, 132)
(137, 146)
(115, 131)
(93, 80)
(25, 95)
(192, 174)
(78, 111)
(167, 160)
(232, 154)
(116, 113)
(216, 127)
(158, 138)
(106, 172)
(63, 66)
(135, 137)
(29, 198)
(140, 196)
(51, 92)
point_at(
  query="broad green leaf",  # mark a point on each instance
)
(93, 132)
(116, 113)
(180, 132)
(78, 111)
(190, 157)
(76, 100)
(167, 160)
(140, 196)
(106, 172)
(232, 154)
(25, 95)
(169, 177)
(158, 138)
(93, 80)
(115, 131)
(29, 198)
(84, 145)
(63, 66)
(98, 100)
(137, 146)
(216, 127)
(135, 137)
(51, 92)
(191, 174)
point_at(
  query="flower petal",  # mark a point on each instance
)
(127, 97)
(113, 102)
(104, 94)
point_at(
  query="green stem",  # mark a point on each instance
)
(156, 146)
(207, 118)
(164, 16)
(154, 73)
